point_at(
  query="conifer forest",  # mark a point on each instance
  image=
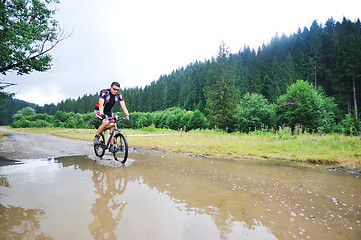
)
(253, 88)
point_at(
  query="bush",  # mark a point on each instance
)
(173, 118)
(39, 123)
(71, 123)
(22, 123)
(253, 113)
(143, 121)
(61, 116)
(349, 125)
(28, 111)
(304, 105)
(197, 121)
(90, 121)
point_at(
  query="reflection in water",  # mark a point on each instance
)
(20, 223)
(17, 222)
(110, 183)
(175, 197)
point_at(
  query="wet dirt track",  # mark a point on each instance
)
(175, 197)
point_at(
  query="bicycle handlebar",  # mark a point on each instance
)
(117, 118)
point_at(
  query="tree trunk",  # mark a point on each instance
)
(354, 95)
(316, 74)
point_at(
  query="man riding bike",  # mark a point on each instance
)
(103, 109)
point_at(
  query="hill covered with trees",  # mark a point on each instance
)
(327, 56)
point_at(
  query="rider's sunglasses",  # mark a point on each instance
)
(116, 89)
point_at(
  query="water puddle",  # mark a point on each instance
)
(175, 197)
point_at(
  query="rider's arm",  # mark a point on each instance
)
(125, 110)
(101, 106)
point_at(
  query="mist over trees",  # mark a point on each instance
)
(327, 57)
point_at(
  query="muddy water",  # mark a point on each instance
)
(176, 197)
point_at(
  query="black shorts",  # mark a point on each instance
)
(109, 114)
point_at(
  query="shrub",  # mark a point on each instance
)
(197, 121)
(349, 125)
(173, 118)
(61, 116)
(22, 123)
(70, 123)
(303, 104)
(253, 113)
(39, 123)
(28, 111)
(143, 121)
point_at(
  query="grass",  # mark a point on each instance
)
(333, 149)
(1, 135)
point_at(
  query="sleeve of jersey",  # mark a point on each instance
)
(102, 94)
(120, 97)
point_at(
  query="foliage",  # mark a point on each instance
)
(328, 56)
(4, 95)
(28, 118)
(27, 33)
(253, 113)
(221, 92)
(11, 107)
(28, 111)
(173, 118)
(304, 105)
(349, 126)
(197, 121)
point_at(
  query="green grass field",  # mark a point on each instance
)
(282, 145)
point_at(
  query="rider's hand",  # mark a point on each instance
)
(103, 116)
(128, 117)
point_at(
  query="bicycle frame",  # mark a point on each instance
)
(111, 134)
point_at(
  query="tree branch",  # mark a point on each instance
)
(62, 36)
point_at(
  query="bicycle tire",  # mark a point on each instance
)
(99, 149)
(121, 151)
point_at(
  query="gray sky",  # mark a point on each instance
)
(134, 42)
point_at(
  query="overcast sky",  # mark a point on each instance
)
(134, 42)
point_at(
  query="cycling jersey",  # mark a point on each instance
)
(109, 100)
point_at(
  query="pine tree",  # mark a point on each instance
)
(221, 92)
(349, 63)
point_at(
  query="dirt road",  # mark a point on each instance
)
(21, 145)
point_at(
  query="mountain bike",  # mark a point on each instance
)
(120, 145)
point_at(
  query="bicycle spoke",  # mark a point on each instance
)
(121, 149)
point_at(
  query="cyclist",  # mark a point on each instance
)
(103, 109)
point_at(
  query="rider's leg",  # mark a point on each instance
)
(102, 127)
(111, 128)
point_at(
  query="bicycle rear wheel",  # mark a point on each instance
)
(99, 149)
(121, 148)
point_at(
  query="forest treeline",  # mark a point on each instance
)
(326, 56)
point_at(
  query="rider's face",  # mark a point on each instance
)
(114, 90)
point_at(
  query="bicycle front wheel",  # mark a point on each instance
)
(120, 148)
(99, 149)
